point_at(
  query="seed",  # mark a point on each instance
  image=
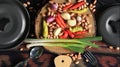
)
(51, 37)
(79, 23)
(77, 62)
(51, 1)
(76, 56)
(86, 27)
(82, 6)
(71, 55)
(25, 4)
(79, 8)
(28, 3)
(118, 48)
(79, 0)
(85, 5)
(72, 14)
(49, 9)
(83, 24)
(52, 13)
(87, 60)
(43, 14)
(95, 1)
(86, 23)
(67, 54)
(51, 33)
(93, 10)
(69, 1)
(49, 13)
(110, 47)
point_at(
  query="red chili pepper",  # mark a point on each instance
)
(79, 36)
(64, 36)
(70, 33)
(67, 7)
(80, 32)
(61, 20)
(77, 5)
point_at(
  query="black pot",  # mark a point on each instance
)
(109, 25)
(14, 23)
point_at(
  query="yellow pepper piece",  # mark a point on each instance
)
(75, 29)
(45, 29)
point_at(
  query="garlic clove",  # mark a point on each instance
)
(65, 16)
(71, 22)
(57, 31)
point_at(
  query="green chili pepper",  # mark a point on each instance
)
(79, 11)
(75, 29)
(45, 29)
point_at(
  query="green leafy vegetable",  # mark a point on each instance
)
(77, 45)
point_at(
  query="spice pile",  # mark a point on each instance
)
(68, 20)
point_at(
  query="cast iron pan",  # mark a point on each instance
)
(14, 23)
(109, 26)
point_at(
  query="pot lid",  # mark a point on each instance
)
(109, 26)
(14, 23)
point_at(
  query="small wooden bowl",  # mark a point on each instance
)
(60, 50)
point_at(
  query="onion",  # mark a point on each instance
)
(50, 19)
(79, 18)
(54, 6)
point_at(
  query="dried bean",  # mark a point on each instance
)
(95, 1)
(77, 62)
(118, 48)
(73, 58)
(93, 10)
(71, 55)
